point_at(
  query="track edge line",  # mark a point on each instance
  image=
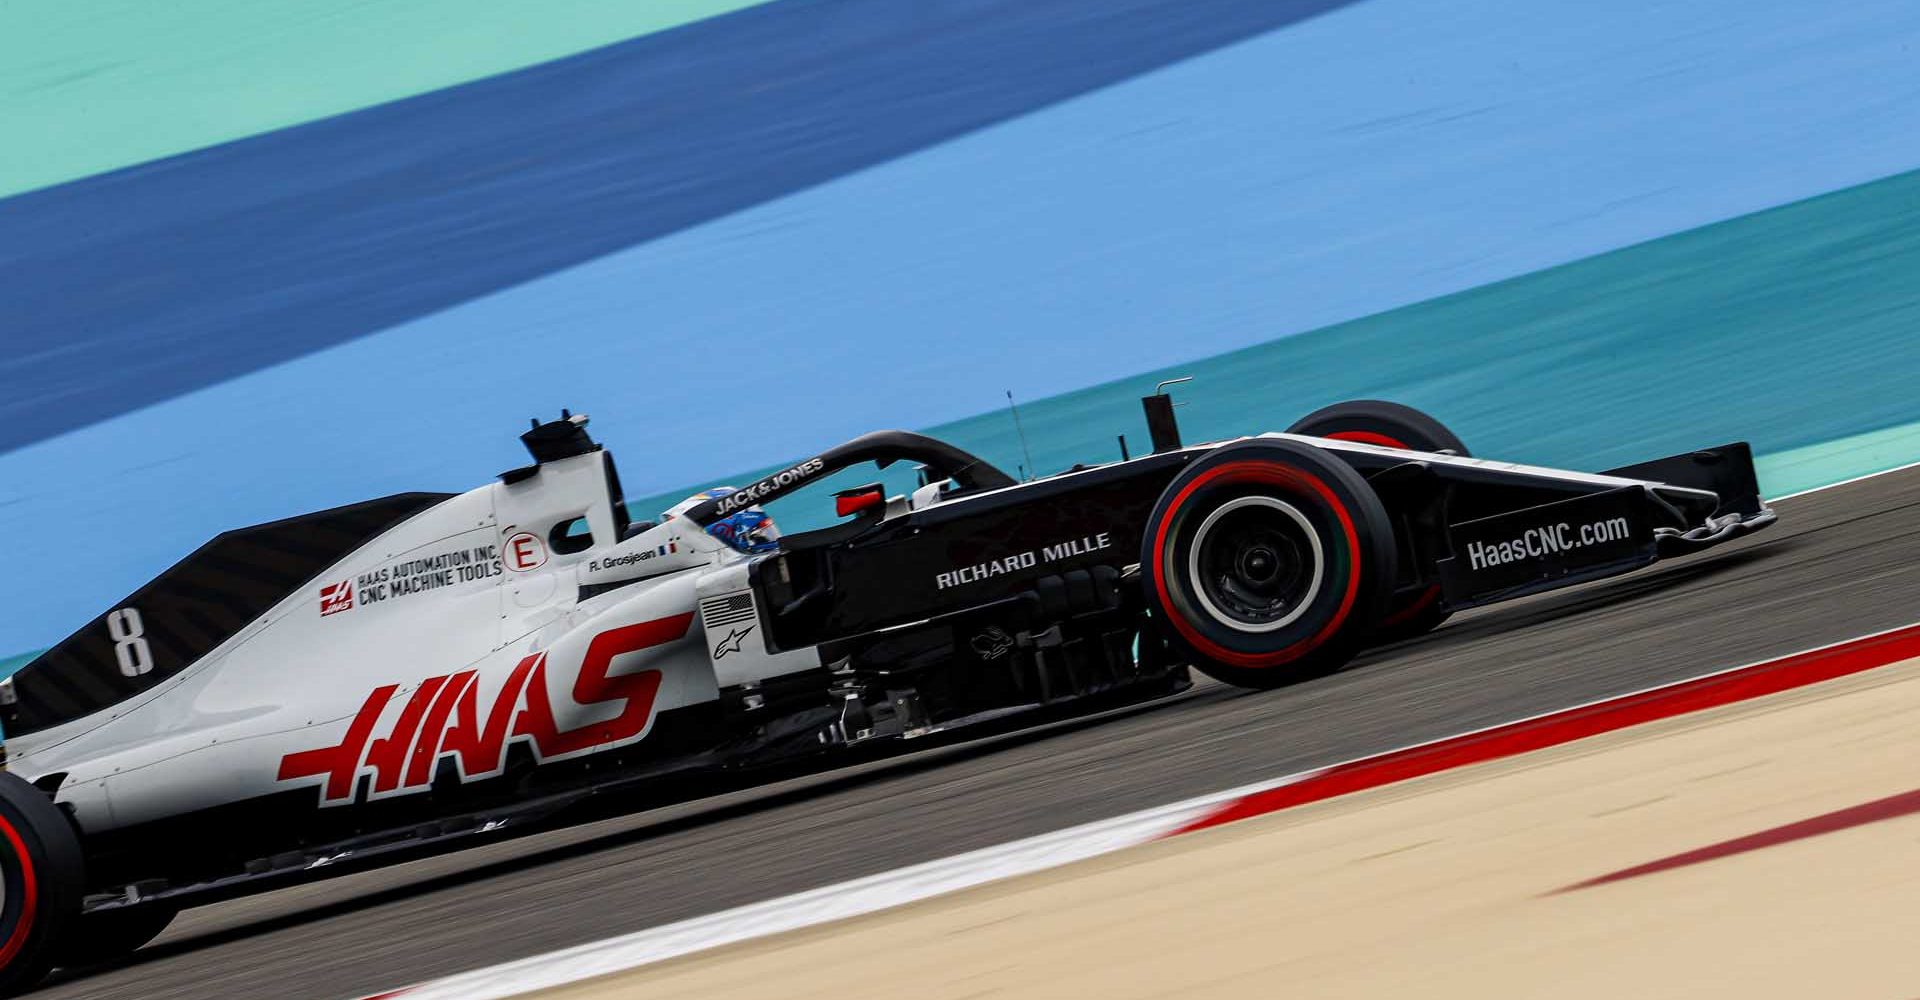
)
(899, 887)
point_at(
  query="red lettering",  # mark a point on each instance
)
(428, 745)
(593, 686)
(388, 757)
(423, 722)
(477, 748)
(340, 762)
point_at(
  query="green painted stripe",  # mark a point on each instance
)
(90, 86)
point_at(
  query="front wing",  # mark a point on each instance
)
(1604, 533)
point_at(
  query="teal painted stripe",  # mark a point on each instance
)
(89, 87)
(1799, 469)
(1794, 328)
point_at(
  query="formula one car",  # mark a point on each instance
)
(408, 674)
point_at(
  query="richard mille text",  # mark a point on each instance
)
(1022, 560)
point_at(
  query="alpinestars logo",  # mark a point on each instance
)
(336, 597)
(442, 719)
(731, 644)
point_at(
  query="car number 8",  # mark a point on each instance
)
(130, 641)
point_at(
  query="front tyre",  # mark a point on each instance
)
(1268, 562)
(42, 878)
(1390, 425)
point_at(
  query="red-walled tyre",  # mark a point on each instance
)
(1390, 425)
(1268, 562)
(42, 878)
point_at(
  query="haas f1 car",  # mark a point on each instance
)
(365, 684)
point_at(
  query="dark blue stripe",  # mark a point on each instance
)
(126, 289)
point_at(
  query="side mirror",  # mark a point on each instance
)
(858, 499)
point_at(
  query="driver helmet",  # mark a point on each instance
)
(750, 530)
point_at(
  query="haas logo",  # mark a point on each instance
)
(442, 718)
(336, 597)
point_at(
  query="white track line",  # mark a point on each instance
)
(923, 881)
(935, 878)
(818, 906)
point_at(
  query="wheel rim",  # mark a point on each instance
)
(1256, 564)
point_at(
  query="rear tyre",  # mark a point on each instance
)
(107, 935)
(1267, 562)
(1390, 425)
(42, 879)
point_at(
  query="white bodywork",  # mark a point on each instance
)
(455, 633)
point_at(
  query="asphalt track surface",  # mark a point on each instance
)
(1839, 564)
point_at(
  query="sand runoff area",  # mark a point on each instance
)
(1768, 848)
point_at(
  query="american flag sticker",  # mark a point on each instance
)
(723, 611)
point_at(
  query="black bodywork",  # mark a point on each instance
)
(1004, 593)
(1056, 536)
